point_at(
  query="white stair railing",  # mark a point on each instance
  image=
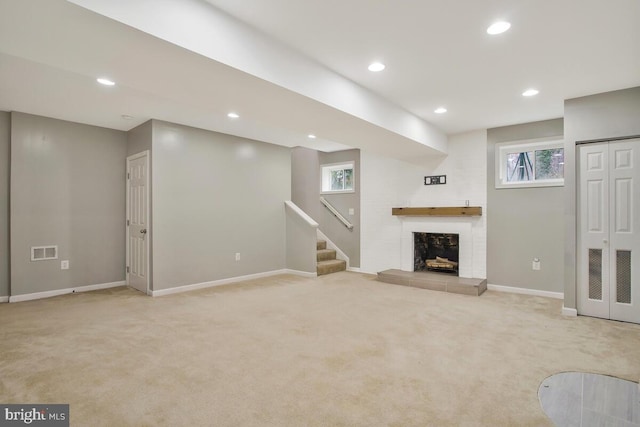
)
(337, 214)
(302, 214)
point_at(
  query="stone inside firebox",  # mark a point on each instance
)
(436, 252)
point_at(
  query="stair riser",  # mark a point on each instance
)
(326, 255)
(331, 268)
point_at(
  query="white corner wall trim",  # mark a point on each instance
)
(525, 291)
(4, 299)
(354, 270)
(566, 311)
(230, 280)
(57, 292)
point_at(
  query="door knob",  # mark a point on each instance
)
(143, 231)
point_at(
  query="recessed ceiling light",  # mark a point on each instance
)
(311, 136)
(440, 110)
(376, 66)
(498, 27)
(233, 115)
(105, 82)
(530, 92)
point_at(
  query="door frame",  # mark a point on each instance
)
(136, 156)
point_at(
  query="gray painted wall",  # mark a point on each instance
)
(347, 240)
(67, 189)
(305, 180)
(215, 195)
(5, 142)
(524, 223)
(301, 243)
(603, 116)
(140, 139)
(305, 192)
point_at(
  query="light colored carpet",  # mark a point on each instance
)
(341, 349)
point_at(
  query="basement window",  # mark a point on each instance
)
(338, 178)
(535, 163)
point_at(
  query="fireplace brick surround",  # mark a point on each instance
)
(464, 283)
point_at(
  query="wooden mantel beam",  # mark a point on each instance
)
(439, 211)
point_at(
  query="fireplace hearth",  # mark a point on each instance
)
(436, 252)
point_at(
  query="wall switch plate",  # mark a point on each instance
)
(535, 265)
(237, 256)
(352, 211)
(64, 265)
(435, 179)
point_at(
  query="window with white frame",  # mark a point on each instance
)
(536, 163)
(338, 178)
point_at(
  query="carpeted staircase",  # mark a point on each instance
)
(327, 262)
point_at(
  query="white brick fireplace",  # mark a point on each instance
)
(463, 227)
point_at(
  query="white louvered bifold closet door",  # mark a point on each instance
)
(608, 236)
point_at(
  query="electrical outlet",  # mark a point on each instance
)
(237, 256)
(64, 265)
(535, 265)
(352, 211)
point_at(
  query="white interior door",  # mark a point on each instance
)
(138, 222)
(608, 230)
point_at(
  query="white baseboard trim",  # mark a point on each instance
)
(354, 269)
(213, 283)
(4, 299)
(566, 311)
(57, 292)
(526, 291)
(310, 275)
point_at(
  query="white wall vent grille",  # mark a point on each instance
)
(42, 253)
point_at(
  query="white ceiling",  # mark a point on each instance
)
(299, 66)
(438, 53)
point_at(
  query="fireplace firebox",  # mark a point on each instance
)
(437, 252)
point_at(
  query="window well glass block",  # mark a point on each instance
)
(595, 274)
(623, 277)
(550, 163)
(520, 166)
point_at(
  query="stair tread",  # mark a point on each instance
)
(326, 251)
(332, 261)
